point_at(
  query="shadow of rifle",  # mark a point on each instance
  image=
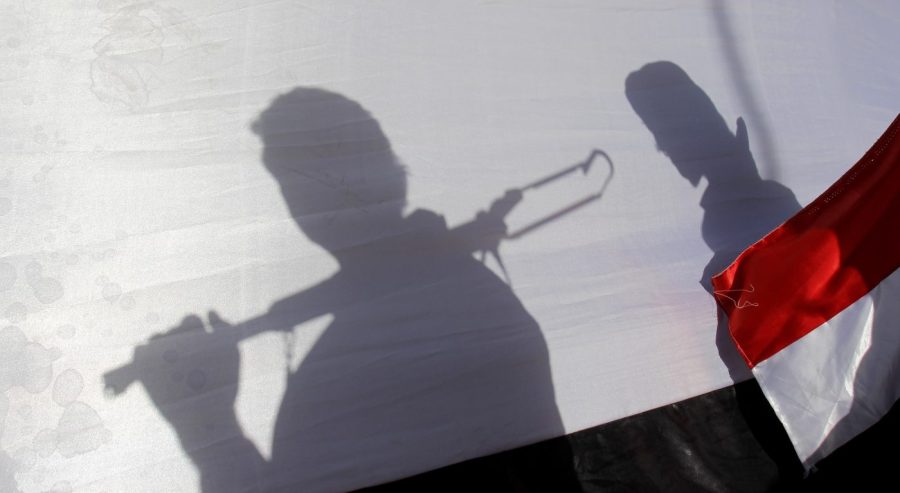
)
(488, 228)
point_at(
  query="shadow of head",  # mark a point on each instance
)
(684, 121)
(335, 167)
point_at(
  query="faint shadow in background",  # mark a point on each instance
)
(739, 207)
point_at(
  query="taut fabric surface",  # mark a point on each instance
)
(243, 241)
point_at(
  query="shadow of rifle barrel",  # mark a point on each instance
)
(584, 166)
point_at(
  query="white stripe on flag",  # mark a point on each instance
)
(842, 377)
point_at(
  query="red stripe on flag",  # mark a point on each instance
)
(821, 260)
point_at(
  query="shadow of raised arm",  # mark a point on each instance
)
(283, 315)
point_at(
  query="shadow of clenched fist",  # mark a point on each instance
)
(191, 374)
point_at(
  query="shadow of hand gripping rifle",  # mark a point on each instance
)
(191, 375)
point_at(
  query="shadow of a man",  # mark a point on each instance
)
(739, 207)
(428, 351)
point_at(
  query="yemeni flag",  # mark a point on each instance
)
(814, 307)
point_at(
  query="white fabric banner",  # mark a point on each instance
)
(154, 153)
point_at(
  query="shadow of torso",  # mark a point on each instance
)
(428, 350)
